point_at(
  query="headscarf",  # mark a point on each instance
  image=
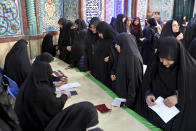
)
(46, 57)
(152, 22)
(81, 24)
(128, 26)
(107, 30)
(167, 30)
(136, 28)
(94, 21)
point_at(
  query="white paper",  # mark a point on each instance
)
(144, 68)
(165, 113)
(32, 61)
(117, 101)
(67, 86)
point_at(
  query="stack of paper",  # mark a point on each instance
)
(118, 101)
(68, 86)
(165, 113)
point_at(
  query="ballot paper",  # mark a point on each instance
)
(165, 113)
(67, 86)
(117, 101)
(144, 68)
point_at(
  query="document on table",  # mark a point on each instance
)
(165, 113)
(67, 86)
(117, 101)
(144, 68)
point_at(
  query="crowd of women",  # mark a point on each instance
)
(114, 54)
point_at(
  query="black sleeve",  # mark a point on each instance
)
(149, 74)
(61, 41)
(54, 78)
(86, 55)
(192, 48)
(148, 36)
(52, 105)
(133, 74)
(85, 64)
(25, 70)
(193, 52)
(62, 100)
(113, 59)
(141, 33)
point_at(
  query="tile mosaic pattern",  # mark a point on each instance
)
(10, 18)
(50, 11)
(109, 10)
(142, 9)
(119, 7)
(165, 7)
(71, 9)
(93, 8)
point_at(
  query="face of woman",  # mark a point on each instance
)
(72, 27)
(123, 19)
(101, 35)
(175, 26)
(93, 29)
(129, 22)
(76, 25)
(156, 16)
(148, 24)
(117, 48)
(167, 63)
(184, 18)
(136, 22)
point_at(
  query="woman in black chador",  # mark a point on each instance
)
(17, 63)
(69, 38)
(80, 24)
(91, 43)
(38, 108)
(129, 71)
(149, 45)
(136, 30)
(171, 28)
(105, 59)
(47, 45)
(62, 51)
(48, 58)
(78, 49)
(171, 75)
